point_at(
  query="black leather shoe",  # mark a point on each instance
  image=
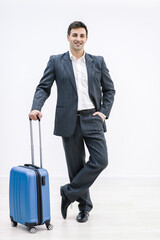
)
(82, 216)
(64, 204)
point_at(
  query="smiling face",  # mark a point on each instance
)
(77, 39)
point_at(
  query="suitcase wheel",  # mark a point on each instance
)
(49, 226)
(32, 230)
(13, 223)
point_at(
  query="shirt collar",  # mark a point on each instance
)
(74, 58)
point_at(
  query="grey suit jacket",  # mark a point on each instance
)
(59, 68)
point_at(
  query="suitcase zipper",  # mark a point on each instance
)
(39, 194)
(39, 198)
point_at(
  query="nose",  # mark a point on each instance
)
(78, 38)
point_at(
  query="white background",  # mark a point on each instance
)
(127, 34)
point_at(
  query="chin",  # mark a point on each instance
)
(78, 48)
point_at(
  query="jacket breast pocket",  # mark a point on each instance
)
(98, 75)
(98, 79)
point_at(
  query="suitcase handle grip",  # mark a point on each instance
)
(38, 118)
(40, 142)
(31, 165)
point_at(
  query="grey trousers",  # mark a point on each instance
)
(82, 174)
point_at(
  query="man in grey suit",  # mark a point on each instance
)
(85, 98)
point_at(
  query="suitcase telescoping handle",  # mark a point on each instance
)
(40, 142)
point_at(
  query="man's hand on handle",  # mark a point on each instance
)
(33, 114)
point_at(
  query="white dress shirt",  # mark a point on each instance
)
(81, 78)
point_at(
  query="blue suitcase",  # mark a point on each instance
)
(29, 197)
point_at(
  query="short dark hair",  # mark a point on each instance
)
(77, 24)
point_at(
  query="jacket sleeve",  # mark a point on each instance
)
(44, 87)
(108, 90)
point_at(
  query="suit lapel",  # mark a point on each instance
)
(90, 71)
(69, 69)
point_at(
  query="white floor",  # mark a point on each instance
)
(127, 209)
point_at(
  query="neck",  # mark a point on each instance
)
(77, 53)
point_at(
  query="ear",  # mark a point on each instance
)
(67, 37)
